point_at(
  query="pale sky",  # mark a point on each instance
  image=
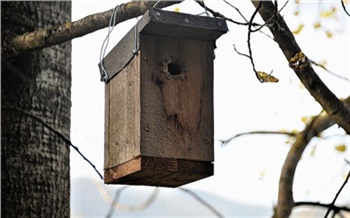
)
(248, 168)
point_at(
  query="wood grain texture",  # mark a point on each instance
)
(152, 171)
(122, 126)
(177, 110)
(159, 114)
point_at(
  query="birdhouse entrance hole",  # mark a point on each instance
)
(174, 68)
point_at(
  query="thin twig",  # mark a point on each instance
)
(239, 12)
(206, 204)
(217, 14)
(291, 134)
(115, 204)
(249, 44)
(331, 206)
(328, 71)
(343, 5)
(273, 18)
(60, 135)
(240, 53)
(306, 203)
(347, 161)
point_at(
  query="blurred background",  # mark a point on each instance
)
(247, 169)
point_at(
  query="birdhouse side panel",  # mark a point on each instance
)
(122, 126)
(177, 98)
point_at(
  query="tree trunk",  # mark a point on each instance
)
(35, 95)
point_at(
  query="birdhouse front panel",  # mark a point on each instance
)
(159, 122)
(177, 98)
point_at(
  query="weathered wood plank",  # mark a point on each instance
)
(177, 110)
(123, 123)
(152, 171)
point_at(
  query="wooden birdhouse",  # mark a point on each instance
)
(159, 101)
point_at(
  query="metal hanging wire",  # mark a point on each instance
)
(112, 23)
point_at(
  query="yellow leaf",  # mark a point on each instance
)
(328, 14)
(267, 77)
(298, 30)
(340, 148)
(177, 9)
(317, 25)
(297, 1)
(296, 13)
(329, 34)
(305, 119)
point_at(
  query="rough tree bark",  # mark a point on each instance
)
(35, 180)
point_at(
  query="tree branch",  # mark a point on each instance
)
(331, 206)
(302, 67)
(317, 125)
(217, 14)
(330, 72)
(285, 201)
(290, 134)
(318, 204)
(202, 201)
(43, 38)
(344, 8)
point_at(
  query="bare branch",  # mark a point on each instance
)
(239, 12)
(248, 41)
(240, 53)
(199, 199)
(285, 201)
(331, 206)
(58, 34)
(330, 72)
(225, 142)
(273, 21)
(302, 67)
(344, 8)
(115, 204)
(217, 14)
(318, 204)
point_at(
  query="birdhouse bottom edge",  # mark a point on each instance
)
(156, 171)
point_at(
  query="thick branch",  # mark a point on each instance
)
(285, 201)
(286, 41)
(55, 35)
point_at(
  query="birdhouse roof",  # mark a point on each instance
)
(161, 23)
